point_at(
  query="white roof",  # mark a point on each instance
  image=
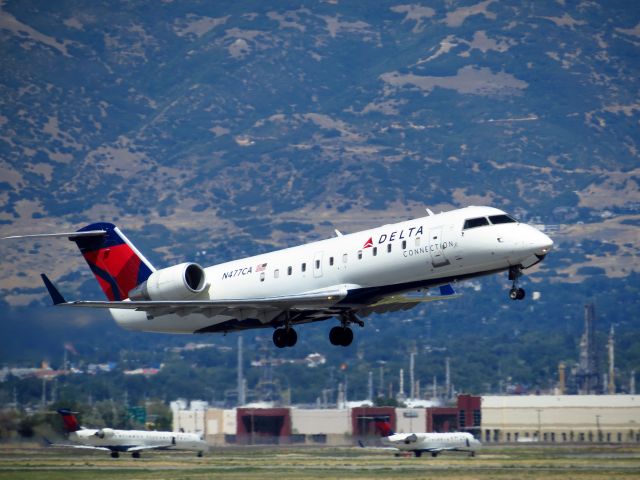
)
(546, 401)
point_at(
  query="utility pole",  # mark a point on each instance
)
(240, 379)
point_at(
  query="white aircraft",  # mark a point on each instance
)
(433, 443)
(127, 441)
(380, 270)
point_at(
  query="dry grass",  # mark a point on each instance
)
(281, 463)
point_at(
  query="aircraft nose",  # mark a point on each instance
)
(541, 243)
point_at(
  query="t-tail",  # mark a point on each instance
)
(114, 260)
(70, 421)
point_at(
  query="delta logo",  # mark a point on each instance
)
(368, 243)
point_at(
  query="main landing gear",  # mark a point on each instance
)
(285, 337)
(343, 335)
(516, 293)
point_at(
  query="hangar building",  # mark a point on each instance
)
(492, 419)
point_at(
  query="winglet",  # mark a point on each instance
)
(447, 290)
(55, 295)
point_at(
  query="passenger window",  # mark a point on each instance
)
(375, 251)
(404, 244)
(262, 276)
(304, 267)
(417, 241)
(475, 222)
(359, 254)
(388, 248)
(330, 260)
(289, 270)
(344, 258)
(276, 273)
(317, 264)
(498, 219)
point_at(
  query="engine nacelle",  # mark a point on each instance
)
(104, 433)
(179, 282)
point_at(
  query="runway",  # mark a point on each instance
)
(281, 463)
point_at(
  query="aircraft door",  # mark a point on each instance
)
(317, 265)
(437, 248)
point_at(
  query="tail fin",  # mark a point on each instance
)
(70, 421)
(384, 427)
(116, 263)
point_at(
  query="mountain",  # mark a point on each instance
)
(212, 130)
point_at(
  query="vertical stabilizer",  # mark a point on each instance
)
(116, 263)
(70, 421)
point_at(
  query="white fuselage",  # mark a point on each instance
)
(433, 442)
(126, 439)
(424, 252)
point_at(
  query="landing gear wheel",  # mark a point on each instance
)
(284, 338)
(115, 454)
(280, 338)
(517, 293)
(347, 337)
(418, 453)
(334, 335)
(135, 455)
(291, 337)
(342, 336)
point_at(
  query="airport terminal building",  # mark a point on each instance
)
(492, 419)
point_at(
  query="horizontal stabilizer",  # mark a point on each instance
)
(55, 295)
(69, 235)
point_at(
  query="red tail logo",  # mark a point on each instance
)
(368, 243)
(70, 421)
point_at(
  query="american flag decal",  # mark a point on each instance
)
(261, 268)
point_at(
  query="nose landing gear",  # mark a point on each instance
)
(516, 293)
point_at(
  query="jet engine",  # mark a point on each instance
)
(179, 282)
(104, 433)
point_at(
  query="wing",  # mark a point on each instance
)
(139, 448)
(392, 303)
(373, 448)
(305, 301)
(72, 445)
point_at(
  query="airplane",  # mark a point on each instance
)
(419, 443)
(126, 441)
(349, 276)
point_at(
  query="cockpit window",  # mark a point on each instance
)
(475, 222)
(498, 219)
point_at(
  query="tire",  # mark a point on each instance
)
(346, 337)
(291, 337)
(335, 335)
(280, 338)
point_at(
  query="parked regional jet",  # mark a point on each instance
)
(347, 277)
(433, 443)
(126, 441)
